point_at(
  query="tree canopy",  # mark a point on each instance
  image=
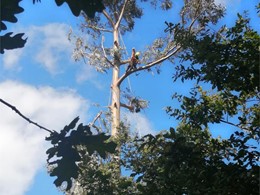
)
(188, 160)
(185, 159)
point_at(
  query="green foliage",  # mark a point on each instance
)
(66, 155)
(190, 161)
(202, 108)
(208, 11)
(231, 67)
(102, 176)
(185, 160)
(232, 60)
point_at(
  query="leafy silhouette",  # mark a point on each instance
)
(8, 42)
(90, 7)
(8, 10)
(65, 155)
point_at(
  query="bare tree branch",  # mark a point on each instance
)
(235, 125)
(97, 128)
(163, 58)
(121, 15)
(109, 18)
(24, 117)
(104, 52)
(124, 62)
(129, 107)
(197, 15)
(95, 119)
(92, 124)
(149, 65)
(97, 28)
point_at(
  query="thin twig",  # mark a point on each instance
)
(92, 124)
(196, 16)
(24, 117)
(98, 28)
(98, 129)
(235, 125)
(95, 119)
(129, 107)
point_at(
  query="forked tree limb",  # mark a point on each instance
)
(147, 66)
(121, 15)
(24, 117)
(158, 61)
(96, 118)
(129, 107)
(109, 18)
(92, 124)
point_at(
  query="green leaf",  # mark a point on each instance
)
(65, 149)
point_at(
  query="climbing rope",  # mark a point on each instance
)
(124, 47)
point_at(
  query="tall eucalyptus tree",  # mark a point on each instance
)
(117, 18)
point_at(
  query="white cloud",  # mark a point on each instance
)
(49, 47)
(11, 59)
(227, 2)
(140, 124)
(222, 2)
(22, 145)
(89, 73)
(48, 43)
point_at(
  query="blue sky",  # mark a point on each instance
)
(45, 83)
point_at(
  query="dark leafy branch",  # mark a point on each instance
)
(189, 160)
(9, 8)
(232, 124)
(90, 7)
(64, 155)
(231, 53)
(11, 42)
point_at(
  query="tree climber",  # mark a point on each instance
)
(133, 61)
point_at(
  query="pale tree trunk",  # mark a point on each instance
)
(115, 105)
